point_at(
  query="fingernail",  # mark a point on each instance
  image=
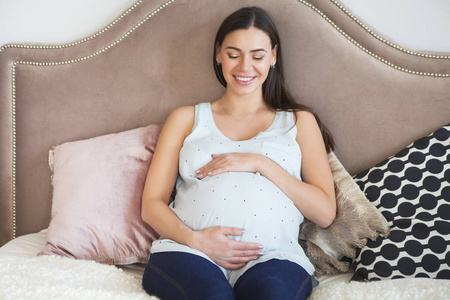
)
(210, 173)
(261, 253)
(198, 171)
(260, 247)
(242, 230)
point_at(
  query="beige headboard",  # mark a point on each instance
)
(373, 95)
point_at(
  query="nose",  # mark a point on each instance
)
(245, 63)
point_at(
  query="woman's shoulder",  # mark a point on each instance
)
(189, 110)
(182, 112)
(180, 120)
(305, 115)
(307, 122)
(305, 118)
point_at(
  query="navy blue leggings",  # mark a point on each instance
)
(178, 275)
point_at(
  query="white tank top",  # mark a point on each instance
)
(240, 199)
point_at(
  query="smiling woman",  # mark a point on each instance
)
(252, 165)
(245, 68)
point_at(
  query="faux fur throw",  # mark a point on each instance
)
(356, 221)
(399, 289)
(53, 277)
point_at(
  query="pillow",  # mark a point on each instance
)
(412, 190)
(97, 189)
(356, 221)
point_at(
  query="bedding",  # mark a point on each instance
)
(25, 275)
(54, 277)
(404, 289)
(28, 276)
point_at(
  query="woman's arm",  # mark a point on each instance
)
(314, 196)
(159, 184)
(162, 176)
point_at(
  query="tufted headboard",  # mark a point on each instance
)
(373, 95)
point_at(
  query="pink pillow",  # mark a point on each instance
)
(97, 190)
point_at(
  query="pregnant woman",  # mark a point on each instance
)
(247, 167)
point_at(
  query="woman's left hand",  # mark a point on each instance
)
(230, 162)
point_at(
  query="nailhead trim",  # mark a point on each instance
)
(367, 50)
(101, 50)
(14, 149)
(384, 40)
(77, 42)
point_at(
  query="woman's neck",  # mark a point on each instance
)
(241, 104)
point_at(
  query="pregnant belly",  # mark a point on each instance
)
(244, 200)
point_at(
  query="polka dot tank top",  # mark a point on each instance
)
(240, 199)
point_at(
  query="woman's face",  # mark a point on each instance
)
(246, 56)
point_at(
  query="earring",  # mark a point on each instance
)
(273, 66)
(218, 63)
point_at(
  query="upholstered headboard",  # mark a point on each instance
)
(374, 96)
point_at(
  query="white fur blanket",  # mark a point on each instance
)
(51, 277)
(399, 289)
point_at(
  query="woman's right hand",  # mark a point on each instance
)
(224, 251)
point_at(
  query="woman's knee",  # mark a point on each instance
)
(178, 275)
(274, 279)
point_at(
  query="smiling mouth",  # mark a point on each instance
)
(244, 79)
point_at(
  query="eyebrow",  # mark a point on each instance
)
(255, 50)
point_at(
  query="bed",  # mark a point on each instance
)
(381, 102)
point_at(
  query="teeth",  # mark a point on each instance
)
(244, 78)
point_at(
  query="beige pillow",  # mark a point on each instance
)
(356, 221)
(97, 190)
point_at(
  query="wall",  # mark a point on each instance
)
(414, 24)
(56, 21)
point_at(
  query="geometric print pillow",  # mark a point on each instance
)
(412, 191)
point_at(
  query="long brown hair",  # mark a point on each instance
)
(275, 94)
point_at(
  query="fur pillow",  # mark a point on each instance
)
(356, 221)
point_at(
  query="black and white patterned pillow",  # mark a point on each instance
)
(412, 191)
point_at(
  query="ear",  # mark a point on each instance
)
(274, 54)
(218, 48)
